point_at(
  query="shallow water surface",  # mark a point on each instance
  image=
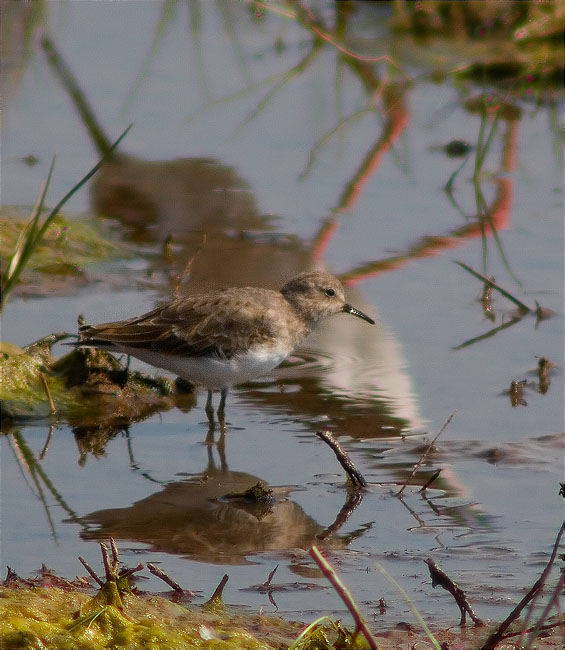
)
(252, 190)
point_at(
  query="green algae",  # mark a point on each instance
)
(84, 385)
(55, 618)
(22, 389)
(116, 617)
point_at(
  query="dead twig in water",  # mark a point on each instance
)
(538, 626)
(109, 567)
(486, 300)
(439, 577)
(115, 554)
(544, 371)
(126, 573)
(47, 441)
(52, 409)
(355, 476)
(542, 628)
(516, 392)
(423, 457)
(532, 593)
(267, 583)
(159, 573)
(91, 571)
(343, 592)
(430, 481)
(216, 599)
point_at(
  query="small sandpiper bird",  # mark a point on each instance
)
(225, 337)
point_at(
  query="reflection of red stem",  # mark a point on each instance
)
(309, 21)
(322, 240)
(359, 57)
(397, 120)
(497, 218)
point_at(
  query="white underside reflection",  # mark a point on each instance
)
(349, 376)
(367, 364)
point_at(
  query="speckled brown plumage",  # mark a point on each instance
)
(229, 336)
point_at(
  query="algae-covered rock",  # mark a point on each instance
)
(85, 387)
(23, 382)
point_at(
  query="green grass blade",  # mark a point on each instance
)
(28, 233)
(304, 634)
(83, 180)
(33, 234)
(38, 208)
(407, 599)
(482, 152)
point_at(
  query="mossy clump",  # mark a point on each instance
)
(83, 386)
(50, 617)
(62, 615)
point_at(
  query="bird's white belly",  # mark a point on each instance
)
(214, 372)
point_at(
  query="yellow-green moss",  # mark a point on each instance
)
(54, 618)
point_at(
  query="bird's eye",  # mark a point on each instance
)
(330, 293)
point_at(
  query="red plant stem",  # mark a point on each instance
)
(344, 594)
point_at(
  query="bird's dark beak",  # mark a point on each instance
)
(348, 309)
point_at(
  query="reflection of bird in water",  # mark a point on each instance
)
(196, 519)
(225, 337)
(158, 198)
(154, 199)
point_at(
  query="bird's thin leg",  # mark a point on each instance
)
(210, 411)
(222, 409)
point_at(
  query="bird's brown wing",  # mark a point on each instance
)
(223, 324)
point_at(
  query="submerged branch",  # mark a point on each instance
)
(355, 476)
(439, 577)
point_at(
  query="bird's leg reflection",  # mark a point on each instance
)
(220, 446)
(209, 409)
(221, 454)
